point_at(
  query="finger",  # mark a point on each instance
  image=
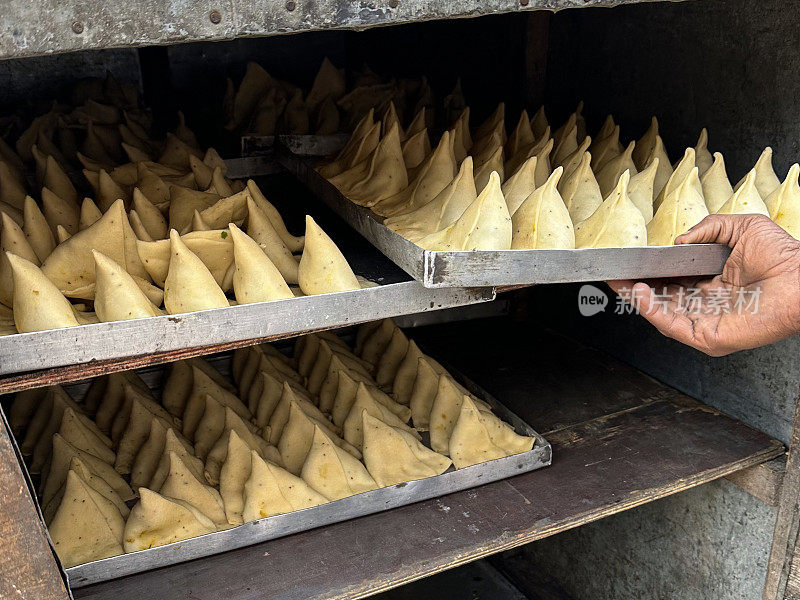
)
(716, 229)
(669, 322)
(621, 286)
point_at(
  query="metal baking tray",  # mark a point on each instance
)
(334, 512)
(302, 145)
(435, 269)
(395, 295)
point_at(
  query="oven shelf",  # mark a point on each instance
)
(620, 439)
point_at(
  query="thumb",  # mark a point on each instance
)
(716, 229)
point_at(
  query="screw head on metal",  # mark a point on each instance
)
(215, 17)
(393, 3)
(290, 6)
(523, 2)
(77, 27)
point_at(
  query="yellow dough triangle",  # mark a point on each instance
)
(173, 443)
(416, 149)
(393, 456)
(579, 190)
(58, 211)
(89, 214)
(539, 122)
(496, 118)
(108, 192)
(138, 228)
(389, 362)
(716, 186)
(604, 149)
(260, 229)
(359, 147)
(294, 243)
(432, 179)
(151, 217)
(609, 175)
(271, 490)
(681, 172)
(679, 211)
(189, 285)
(12, 186)
(117, 296)
(567, 143)
(542, 220)
(444, 412)
(71, 265)
(703, 158)
(494, 164)
(56, 180)
(233, 476)
(365, 401)
(323, 269)
(616, 223)
(297, 436)
(484, 225)
(214, 248)
(766, 180)
(385, 176)
(86, 526)
(152, 186)
(640, 189)
(746, 199)
(403, 384)
(184, 202)
(479, 436)
(440, 212)
(38, 304)
(521, 136)
(389, 119)
(182, 484)
(784, 203)
(256, 278)
(157, 520)
(664, 171)
(333, 472)
(644, 146)
(520, 185)
(37, 231)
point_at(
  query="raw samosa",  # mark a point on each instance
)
(784, 203)
(117, 295)
(716, 186)
(617, 222)
(255, 278)
(189, 285)
(333, 472)
(680, 210)
(542, 220)
(746, 199)
(323, 269)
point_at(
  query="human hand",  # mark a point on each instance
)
(764, 264)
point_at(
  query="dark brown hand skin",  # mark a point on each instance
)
(764, 257)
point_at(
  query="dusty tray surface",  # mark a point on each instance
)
(435, 269)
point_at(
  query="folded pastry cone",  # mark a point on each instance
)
(643, 149)
(389, 362)
(444, 412)
(433, 177)
(189, 285)
(157, 521)
(323, 268)
(180, 380)
(539, 122)
(520, 185)
(641, 189)
(89, 214)
(542, 220)
(403, 383)
(616, 222)
(262, 231)
(359, 147)
(160, 440)
(352, 427)
(609, 175)
(38, 304)
(579, 190)
(703, 158)
(483, 172)
(71, 265)
(58, 211)
(479, 436)
(522, 134)
(12, 241)
(55, 473)
(680, 210)
(717, 188)
(567, 143)
(681, 172)
(333, 472)
(86, 526)
(784, 203)
(214, 248)
(282, 412)
(183, 202)
(297, 437)
(182, 484)
(173, 443)
(484, 225)
(117, 296)
(603, 149)
(746, 199)
(766, 181)
(132, 426)
(255, 278)
(151, 217)
(442, 211)
(37, 231)
(195, 405)
(394, 456)
(664, 170)
(271, 490)
(23, 408)
(108, 395)
(416, 149)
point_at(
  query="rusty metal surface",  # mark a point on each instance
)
(53, 26)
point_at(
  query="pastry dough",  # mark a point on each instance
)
(617, 222)
(579, 190)
(716, 186)
(333, 472)
(323, 269)
(189, 285)
(746, 199)
(680, 210)
(255, 278)
(766, 181)
(784, 203)
(542, 220)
